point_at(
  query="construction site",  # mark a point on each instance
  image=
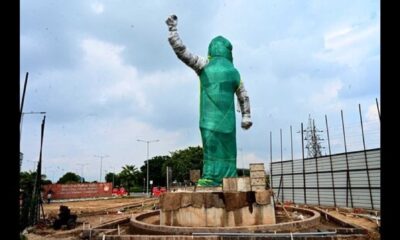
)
(321, 196)
(243, 146)
(178, 216)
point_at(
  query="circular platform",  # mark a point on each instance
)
(150, 223)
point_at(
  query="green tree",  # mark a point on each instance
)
(156, 172)
(129, 176)
(46, 181)
(27, 182)
(113, 178)
(69, 177)
(182, 161)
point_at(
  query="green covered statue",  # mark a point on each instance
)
(219, 81)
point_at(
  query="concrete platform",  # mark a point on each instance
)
(216, 209)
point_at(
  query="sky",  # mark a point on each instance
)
(106, 76)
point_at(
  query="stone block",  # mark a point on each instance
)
(240, 184)
(257, 188)
(258, 182)
(256, 166)
(257, 174)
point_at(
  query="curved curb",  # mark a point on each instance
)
(137, 222)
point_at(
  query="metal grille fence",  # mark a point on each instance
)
(347, 180)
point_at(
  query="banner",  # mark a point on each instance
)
(78, 190)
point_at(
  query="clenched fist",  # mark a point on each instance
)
(172, 22)
(246, 122)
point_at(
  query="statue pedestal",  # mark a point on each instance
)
(217, 208)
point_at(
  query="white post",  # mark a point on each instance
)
(167, 179)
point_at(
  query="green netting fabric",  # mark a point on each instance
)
(219, 80)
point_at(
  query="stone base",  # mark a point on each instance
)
(216, 209)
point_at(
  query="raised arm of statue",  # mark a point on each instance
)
(244, 103)
(195, 62)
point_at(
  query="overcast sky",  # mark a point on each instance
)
(105, 74)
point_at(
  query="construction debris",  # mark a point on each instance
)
(297, 216)
(65, 218)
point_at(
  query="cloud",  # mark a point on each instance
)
(328, 93)
(372, 113)
(106, 100)
(120, 133)
(248, 158)
(100, 53)
(102, 70)
(97, 7)
(120, 79)
(349, 45)
(372, 125)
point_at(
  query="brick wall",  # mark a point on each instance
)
(78, 190)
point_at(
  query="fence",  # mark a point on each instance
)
(346, 179)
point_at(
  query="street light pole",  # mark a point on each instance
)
(101, 163)
(147, 161)
(82, 166)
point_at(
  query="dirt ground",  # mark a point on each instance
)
(96, 212)
(90, 206)
(367, 224)
(93, 212)
(359, 221)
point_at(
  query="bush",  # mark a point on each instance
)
(136, 189)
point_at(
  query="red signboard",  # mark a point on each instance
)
(78, 190)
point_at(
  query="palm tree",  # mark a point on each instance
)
(129, 176)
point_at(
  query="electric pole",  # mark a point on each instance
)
(313, 139)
